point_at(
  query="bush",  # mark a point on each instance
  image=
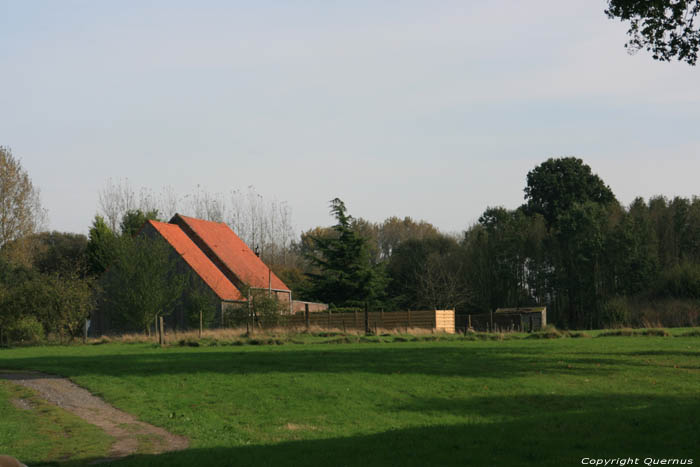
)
(616, 312)
(681, 281)
(26, 330)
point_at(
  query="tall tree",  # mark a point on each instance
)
(142, 281)
(20, 206)
(101, 246)
(554, 186)
(346, 275)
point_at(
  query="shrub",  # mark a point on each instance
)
(26, 330)
(616, 312)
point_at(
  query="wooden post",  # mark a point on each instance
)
(368, 331)
(160, 330)
(250, 322)
(307, 318)
(200, 323)
(492, 321)
(409, 320)
(355, 320)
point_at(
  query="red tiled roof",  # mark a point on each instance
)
(198, 261)
(232, 252)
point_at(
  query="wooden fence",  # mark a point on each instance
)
(440, 320)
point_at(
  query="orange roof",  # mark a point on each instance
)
(198, 261)
(232, 252)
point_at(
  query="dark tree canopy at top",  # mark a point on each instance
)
(666, 28)
(556, 185)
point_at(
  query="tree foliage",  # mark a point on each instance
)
(101, 247)
(346, 274)
(142, 282)
(666, 28)
(20, 206)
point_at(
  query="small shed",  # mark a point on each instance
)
(525, 319)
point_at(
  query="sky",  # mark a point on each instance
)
(434, 110)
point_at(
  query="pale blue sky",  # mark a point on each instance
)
(433, 110)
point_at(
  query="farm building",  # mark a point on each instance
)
(225, 267)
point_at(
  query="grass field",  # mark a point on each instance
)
(452, 402)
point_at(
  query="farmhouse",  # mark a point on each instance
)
(228, 270)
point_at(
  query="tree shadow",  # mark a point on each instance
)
(444, 360)
(556, 430)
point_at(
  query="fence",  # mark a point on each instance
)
(439, 320)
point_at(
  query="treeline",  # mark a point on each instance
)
(571, 247)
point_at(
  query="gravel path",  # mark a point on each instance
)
(125, 428)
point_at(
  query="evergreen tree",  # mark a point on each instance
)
(346, 275)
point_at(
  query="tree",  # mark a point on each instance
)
(428, 272)
(554, 186)
(101, 246)
(346, 275)
(142, 282)
(666, 28)
(20, 206)
(134, 219)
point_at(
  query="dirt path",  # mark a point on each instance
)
(129, 433)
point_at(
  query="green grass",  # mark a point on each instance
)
(39, 431)
(455, 401)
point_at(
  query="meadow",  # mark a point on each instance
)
(394, 401)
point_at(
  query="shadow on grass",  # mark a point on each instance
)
(534, 430)
(445, 360)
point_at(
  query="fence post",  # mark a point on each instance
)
(367, 330)
(306, 317)
(355, 320)
(491, 320)
(409, 319)
(160, 330)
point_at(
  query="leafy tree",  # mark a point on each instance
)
(20, 206)
(101, 247)
(69, 305)
(198, 299)
(346, 275)
(666, 28)
(393, 231)
(134, 219)
(142, 282)
(554, 186)
(429, 273)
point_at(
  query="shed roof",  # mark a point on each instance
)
(198, 261)
(232, 252)
(531, 309)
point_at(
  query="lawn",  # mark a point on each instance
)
(454, 402)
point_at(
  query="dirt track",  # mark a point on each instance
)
(125, 428)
